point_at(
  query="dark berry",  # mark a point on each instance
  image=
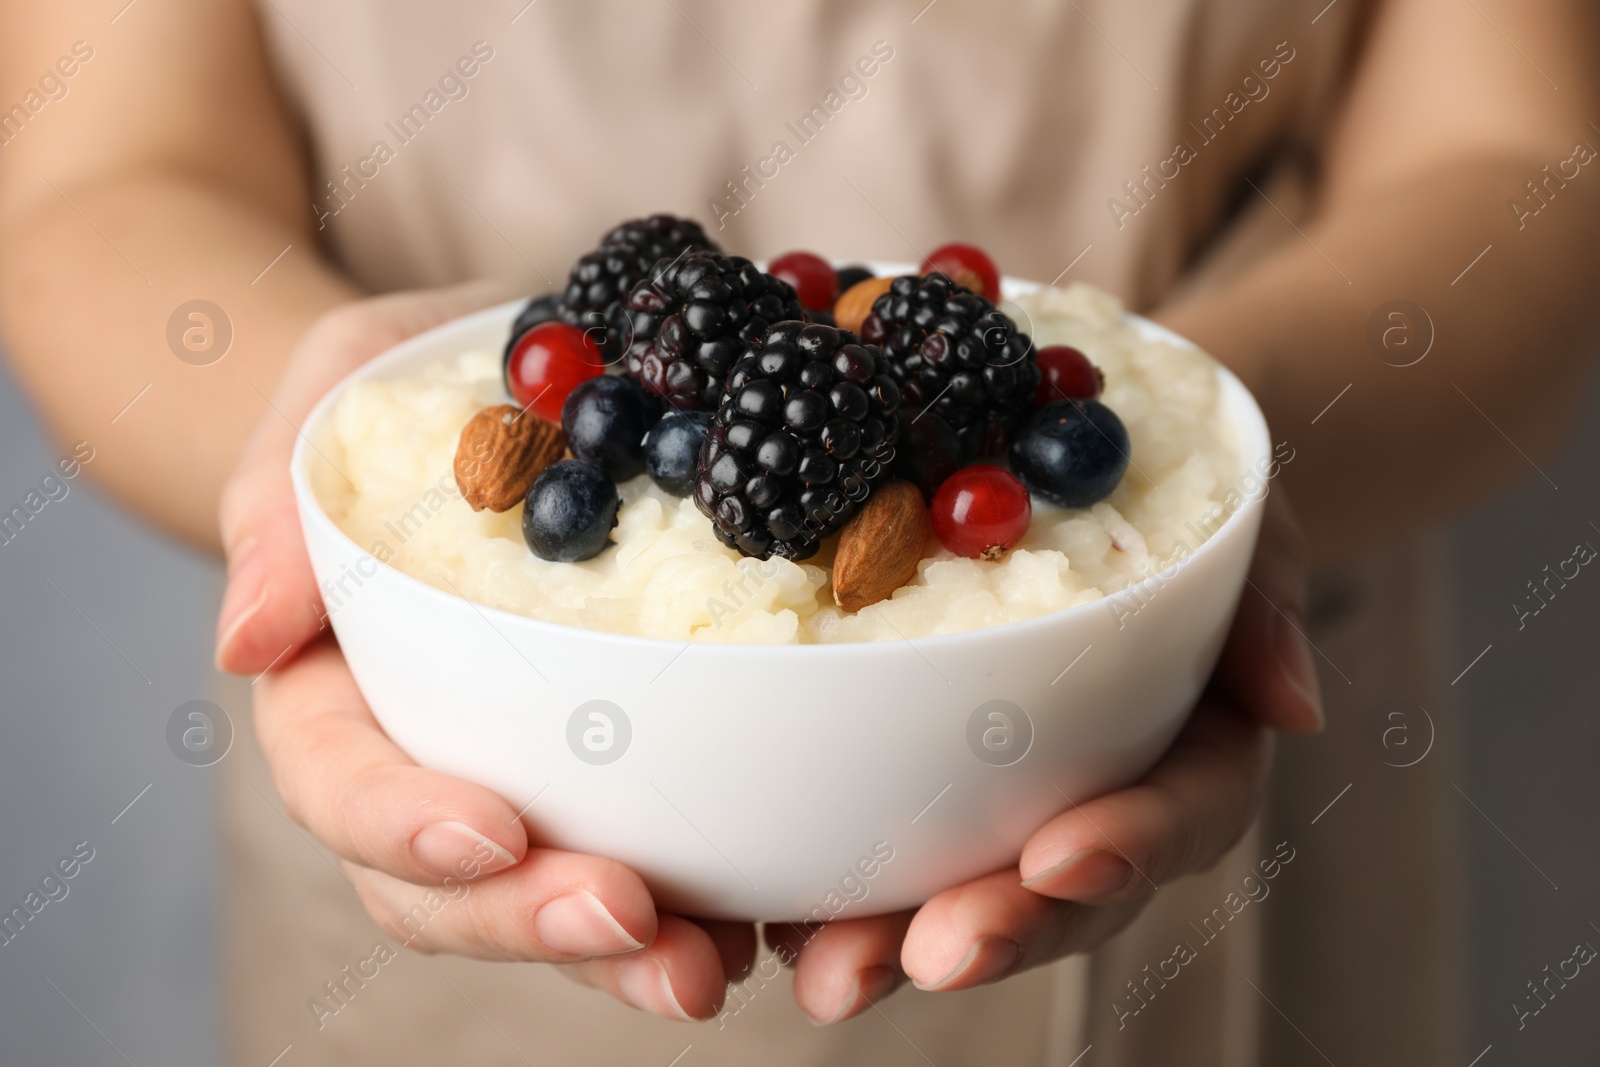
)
(981, 512)
(849, 276)
(693, 317)
(1066, 374)
(953, 352)
(813, 278)
(547, 363)
(596, 295)
(966, 265)
(570, 512)
(796, 447)
(1071, 452)
(605, 420)
(928, 453)
(672, 450)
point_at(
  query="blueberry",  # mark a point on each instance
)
(569, 512)
(605, 420)
(672, 450)
(1071, 452)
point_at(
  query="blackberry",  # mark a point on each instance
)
(928, 453)
(657, 236)
(693, 317)
(805, 433)
(598, 286)
(951, 349)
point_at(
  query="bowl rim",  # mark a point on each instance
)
(1253, 437)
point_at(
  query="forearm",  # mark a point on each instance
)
(1405, 445)
(86, 291)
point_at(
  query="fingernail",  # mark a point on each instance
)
(246, 595)
(578, 924)
(644, 984)
(988, 958)
(454, 849)
(1088, 874)
(871, 985)
(1299, 669)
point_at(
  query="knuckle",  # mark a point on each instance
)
(524, 940)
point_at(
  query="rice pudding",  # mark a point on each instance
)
(667, 576)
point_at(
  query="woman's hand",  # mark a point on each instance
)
(1089, 871)
(405, 832)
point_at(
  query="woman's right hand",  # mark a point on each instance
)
(403, 831)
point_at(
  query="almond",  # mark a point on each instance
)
(855, 304)
(501, 451)
(880, 547)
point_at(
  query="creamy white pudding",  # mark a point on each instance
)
(666, 576)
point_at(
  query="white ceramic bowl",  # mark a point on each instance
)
(780, 783)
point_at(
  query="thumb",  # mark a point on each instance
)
(272, 605)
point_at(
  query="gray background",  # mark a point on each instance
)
(131, 950)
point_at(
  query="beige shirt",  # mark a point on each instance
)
(454, 142)
(1096, 140)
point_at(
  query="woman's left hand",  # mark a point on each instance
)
(1088, 872)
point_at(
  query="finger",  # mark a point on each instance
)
(1182, 817)
(554, 907)
(272, 604)
(992, 927)
(845, 967)
(343, 779)
(680, 976)
(1268, 665)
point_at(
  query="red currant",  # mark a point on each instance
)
(547, 363)
(813, 278)
(980, 512)
(1066, 374)
(966, 265)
